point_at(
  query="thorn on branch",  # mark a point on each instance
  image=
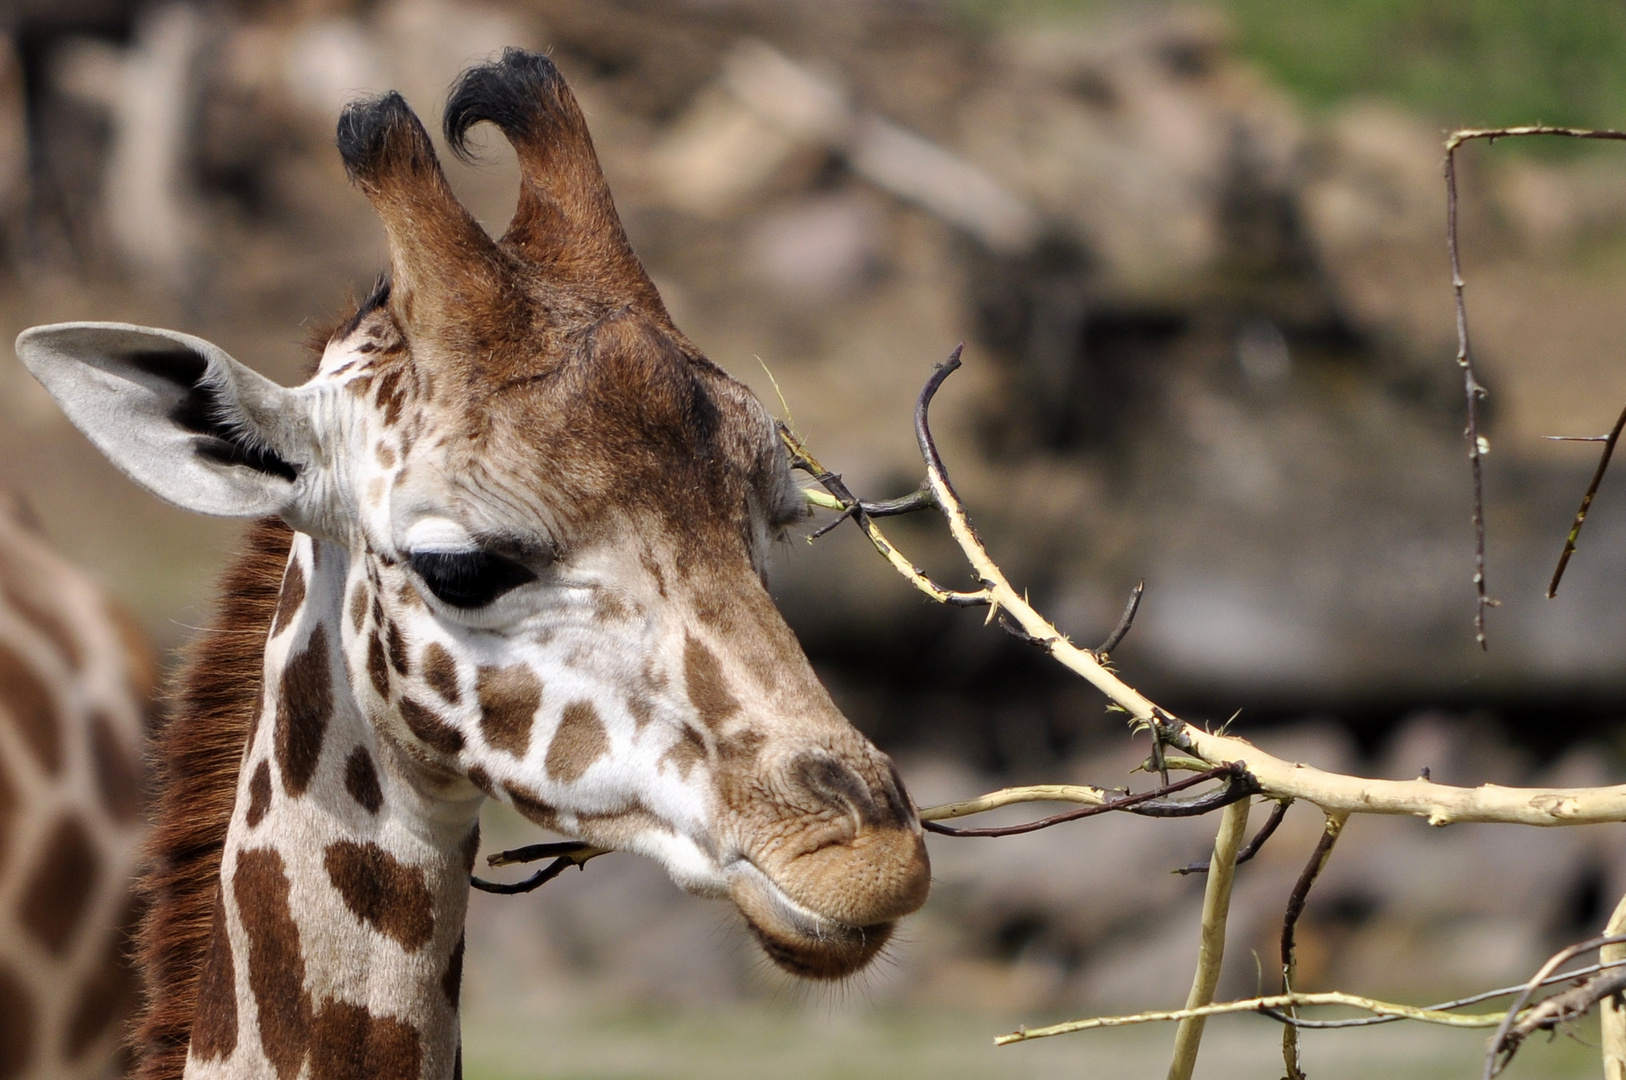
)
(1266, 831)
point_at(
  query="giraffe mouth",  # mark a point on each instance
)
(797, 939)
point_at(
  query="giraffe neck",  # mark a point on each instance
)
(338, 927)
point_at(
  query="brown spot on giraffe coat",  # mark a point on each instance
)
(361, 780)
(377, 670)
(303, 708)
(509, 698)
(118, 770)
(31, 707)
(382, 891)
(214, 1029)
(532, 806)
(395, 643)
(358, 607)
(259, 794)
(292, 597)
(430, 728)
(276, 961)
(440, 671)
(63, 882)
(689, 749)
(350, 1043)
(579, 741)
(708, 691)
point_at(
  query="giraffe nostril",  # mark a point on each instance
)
(876, 803)
(831, 783)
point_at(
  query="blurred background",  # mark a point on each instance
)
(1197, 255)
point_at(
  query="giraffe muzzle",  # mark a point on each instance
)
(801, 941)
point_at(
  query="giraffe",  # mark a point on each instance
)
(511, 546)
(77, 680)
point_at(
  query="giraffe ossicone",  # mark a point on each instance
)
(523, 524)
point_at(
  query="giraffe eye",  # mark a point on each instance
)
(468, 579)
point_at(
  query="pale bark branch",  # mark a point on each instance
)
(1211, 950)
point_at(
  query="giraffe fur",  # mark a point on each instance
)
(528, 528)
(77, 686)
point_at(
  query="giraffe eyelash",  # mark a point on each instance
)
(468, 579)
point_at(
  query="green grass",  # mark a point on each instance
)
(749, 1042)
(1459, 62)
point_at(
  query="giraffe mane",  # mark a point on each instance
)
(197, 756)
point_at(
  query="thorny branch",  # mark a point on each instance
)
(1506, 1041)
(1239, 786)
(1474, 392)
(1336, 795)
(1440, 804)
(1444, 1006)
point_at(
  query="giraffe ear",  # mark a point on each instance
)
(177, 414)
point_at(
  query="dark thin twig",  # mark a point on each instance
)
(923, 431)
(1241, 785)
(1572, 1004)
(1290, 919)
(1502, 1044)
(538, 852)
(1586, 502)
(535, 881)
(919, 499)
(1473, 390)
(1010, 627)
(1163, 730)
(1252, 847)
(1124, 622)
(830, 525)
(1444, 1006)
(856, 508)
(1301, 893)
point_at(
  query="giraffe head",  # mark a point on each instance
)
(550, 515)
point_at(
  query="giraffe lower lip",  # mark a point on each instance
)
(800, 941)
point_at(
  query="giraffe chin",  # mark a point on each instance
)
(802, 942)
